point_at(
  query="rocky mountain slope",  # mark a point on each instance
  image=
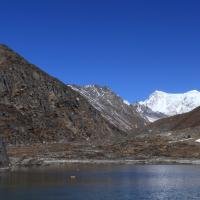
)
(162, 104)
(112, 107)
(130, 116)
(148, 114)
(187, 121)
(35, 107)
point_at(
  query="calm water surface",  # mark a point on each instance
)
(102, 182)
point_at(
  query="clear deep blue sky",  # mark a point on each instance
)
(134, 47)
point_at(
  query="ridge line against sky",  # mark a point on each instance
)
(134, 47)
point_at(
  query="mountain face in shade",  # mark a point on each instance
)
(168, 104)
(188, 121)
(35, 107)
(112, 107)
(183, 126)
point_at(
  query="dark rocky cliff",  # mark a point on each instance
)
(35, 107)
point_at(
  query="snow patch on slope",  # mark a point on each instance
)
(126, 102)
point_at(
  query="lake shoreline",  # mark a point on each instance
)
(125, 161)
(48, 162)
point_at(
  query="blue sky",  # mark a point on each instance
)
(134, 47)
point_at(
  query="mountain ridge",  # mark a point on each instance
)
(188, 100)
(112, 107)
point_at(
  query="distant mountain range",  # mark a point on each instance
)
(159, 105)
(169, 104)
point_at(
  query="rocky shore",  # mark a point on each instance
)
(136, 151)
(32, 162)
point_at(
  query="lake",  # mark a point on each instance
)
(102, 182)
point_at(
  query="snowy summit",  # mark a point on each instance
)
(171, 104)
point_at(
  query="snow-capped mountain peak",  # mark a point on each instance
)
(124, 115)
(172, 103)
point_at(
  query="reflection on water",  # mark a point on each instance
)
(103, 182)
